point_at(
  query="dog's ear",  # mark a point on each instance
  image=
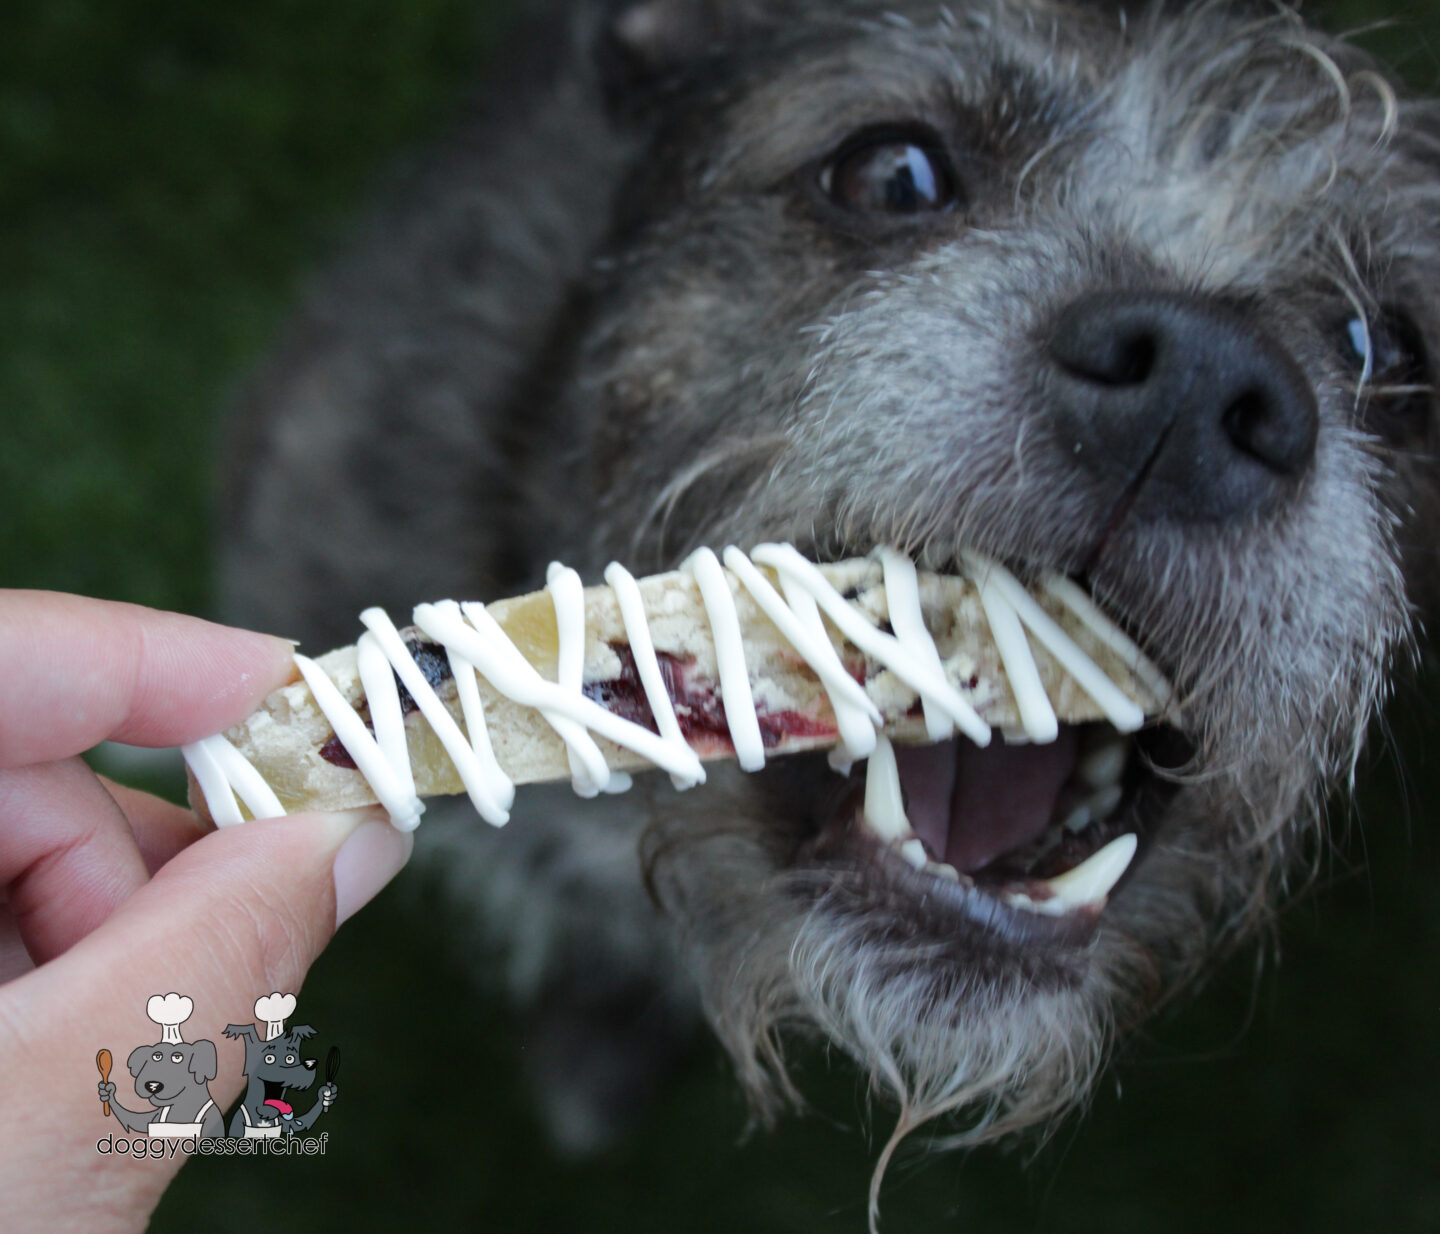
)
(241, 1030)
(203, 1063)
(300, 1032)
(137, 1058)
(644, 42)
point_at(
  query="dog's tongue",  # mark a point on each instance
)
(970, 805)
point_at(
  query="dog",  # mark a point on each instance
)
(174, 1076)
(273, 1067)
(1141, 294)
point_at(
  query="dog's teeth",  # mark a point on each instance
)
(1093, 879)
(1078, 819)
(884, 802)
(1104, 765)
(943, 870)
(1102, 804)
(1086, 885)
(914, 852)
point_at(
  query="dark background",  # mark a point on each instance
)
(169, 171)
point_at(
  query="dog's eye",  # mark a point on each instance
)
(177, 1057)
(269, 1058)
(157, 1057)
(890, 171)
(1388, 355)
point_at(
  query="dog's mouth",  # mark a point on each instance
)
(1029, 841)
(1028, 838)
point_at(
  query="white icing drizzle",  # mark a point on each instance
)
(589, 773)
(223, 772)
(1037, 717)
(488, 797)
(1123, 713)
(878, 645)
(476, 645)
(841, 757)
(740, 714)
(857, 719)
(1091, 616)
(495, 785)
(378, 681)
(479, 638)
(404, 810)
(902, 597)
(642, 647)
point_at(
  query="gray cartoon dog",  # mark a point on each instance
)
(173, 1075)
(273, 1067)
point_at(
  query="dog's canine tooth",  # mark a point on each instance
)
(884, 800)
(1093, 879)
(1087, 885)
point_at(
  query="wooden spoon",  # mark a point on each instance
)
(103, 1061)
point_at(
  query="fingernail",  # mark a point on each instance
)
(370, 857)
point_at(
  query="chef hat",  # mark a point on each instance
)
(273, 1009)
(169, 1011)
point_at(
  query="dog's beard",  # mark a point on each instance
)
(937, 1025)
(1281, 641)
(973, 1033)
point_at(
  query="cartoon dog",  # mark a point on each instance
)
(1144, 295)
(274, 1066)
(173, 1075)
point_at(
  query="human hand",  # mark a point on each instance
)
(114, 895)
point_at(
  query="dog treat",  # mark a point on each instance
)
(769, 654)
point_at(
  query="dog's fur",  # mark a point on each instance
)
(616, 316)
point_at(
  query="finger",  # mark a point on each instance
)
(67, 854)
(161, 827)
(76, 671)
(242, 912)
(14, 959)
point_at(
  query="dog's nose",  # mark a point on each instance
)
(1182, 401)
(153, 1086)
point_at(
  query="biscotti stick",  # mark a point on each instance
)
(770, 656)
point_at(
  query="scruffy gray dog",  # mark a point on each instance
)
(1140, 293)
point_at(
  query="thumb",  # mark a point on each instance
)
(240, 913)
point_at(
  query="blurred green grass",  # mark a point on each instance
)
(168, 173)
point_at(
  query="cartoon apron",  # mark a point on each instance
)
(162, 1127)
(252, 1132)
